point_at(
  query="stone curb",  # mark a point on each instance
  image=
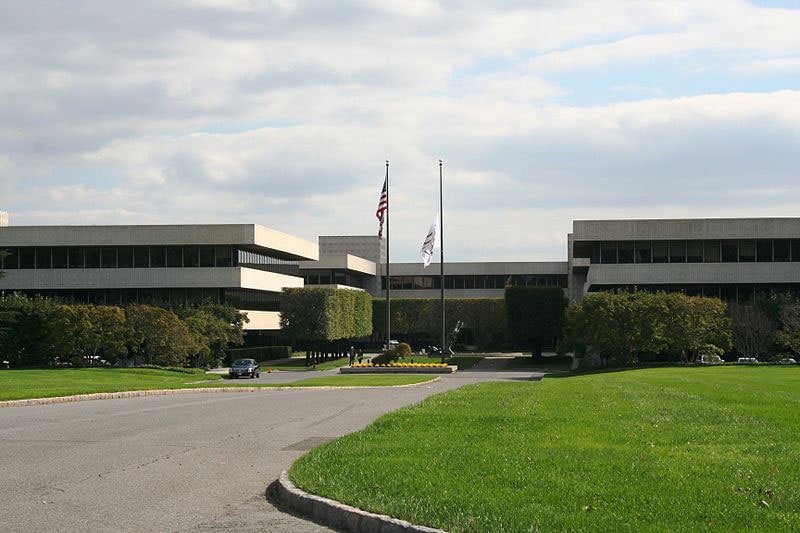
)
(338, 515)
(165, 392)
(452, 369)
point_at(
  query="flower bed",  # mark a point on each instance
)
(399, 368)
(399, 365)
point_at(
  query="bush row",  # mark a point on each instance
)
(262, 353)
(38, 331)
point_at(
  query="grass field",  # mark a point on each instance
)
(299, 364)
(670, 449)
(47, 383)
(24, 384)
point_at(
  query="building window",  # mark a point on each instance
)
(207, 256)
(608, 252)
(92, 257)
(76, 257)
(644, 252)
(158, 256)
(174, 256)
(660, 251)
(764, 251)
(141, 257)
(223, 256)
(11, 261)
(711, 252)
(780, 248)
(44, 258)
(694, 252)
(191, 256)
(677, 251)
(108, 257)
(729, 252)
(60, 257)
(125, 257)
(27, 257)
(747, 251)
(625, 252)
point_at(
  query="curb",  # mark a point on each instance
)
(338, 515)
(166, 392)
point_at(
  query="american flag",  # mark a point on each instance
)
(383, 206)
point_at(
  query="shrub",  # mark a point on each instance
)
(393, 354)
(262, 353)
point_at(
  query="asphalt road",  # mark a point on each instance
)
(177, 463)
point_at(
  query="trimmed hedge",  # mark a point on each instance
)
(325, 314)
(419, 319)
(536, 315)
(262, 353)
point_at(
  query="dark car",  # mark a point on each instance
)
(244, 368)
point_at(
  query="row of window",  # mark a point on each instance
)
(476, 281)
(238, 298)
(731, 292)
(333, 277)
(695, 251)
(46, 257)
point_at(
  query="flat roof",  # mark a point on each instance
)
(252, 236)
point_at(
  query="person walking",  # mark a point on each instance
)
(352, 353)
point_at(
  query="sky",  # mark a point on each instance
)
(283, 112)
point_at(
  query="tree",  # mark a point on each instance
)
(753, 331)
(27, 337)
(789, 336)
(325, 314)
(535, 315)
(214, 328)
(158, 337)
(624, 327)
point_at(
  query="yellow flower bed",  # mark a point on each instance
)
(399, 365)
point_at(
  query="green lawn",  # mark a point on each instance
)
(24, 384)
(362, 380)
(299, 364)
(667, 449)
(21, 384)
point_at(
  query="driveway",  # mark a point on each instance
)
(178, 463)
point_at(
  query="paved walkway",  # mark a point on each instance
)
(178, 463)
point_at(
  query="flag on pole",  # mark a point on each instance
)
(383, 205)
(431, 242)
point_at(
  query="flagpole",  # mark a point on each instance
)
(388, 283)
(441, 253)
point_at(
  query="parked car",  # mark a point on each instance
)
(787, 361)
(711, 360)
(244, 368)
(747, 361)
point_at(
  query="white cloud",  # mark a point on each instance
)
(282, 112)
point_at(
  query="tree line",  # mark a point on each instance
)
(40, 331)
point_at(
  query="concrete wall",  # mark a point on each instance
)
(499, 268)
(240, 234)
(263, 320)
(654, 273)
(703, 228)
(145, 278)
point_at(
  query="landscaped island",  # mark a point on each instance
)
(657, 449)
(26, 384)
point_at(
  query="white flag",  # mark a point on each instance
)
(431, 242)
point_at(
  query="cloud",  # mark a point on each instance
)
(282, 112)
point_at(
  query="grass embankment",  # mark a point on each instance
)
(26, 384)
(48, 383)
(668, 449)
(299, 364)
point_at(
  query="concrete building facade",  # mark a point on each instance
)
(244, 265)
(247, 265)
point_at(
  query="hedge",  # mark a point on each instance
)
(419, 319)
(261, 353)
(325, 314)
